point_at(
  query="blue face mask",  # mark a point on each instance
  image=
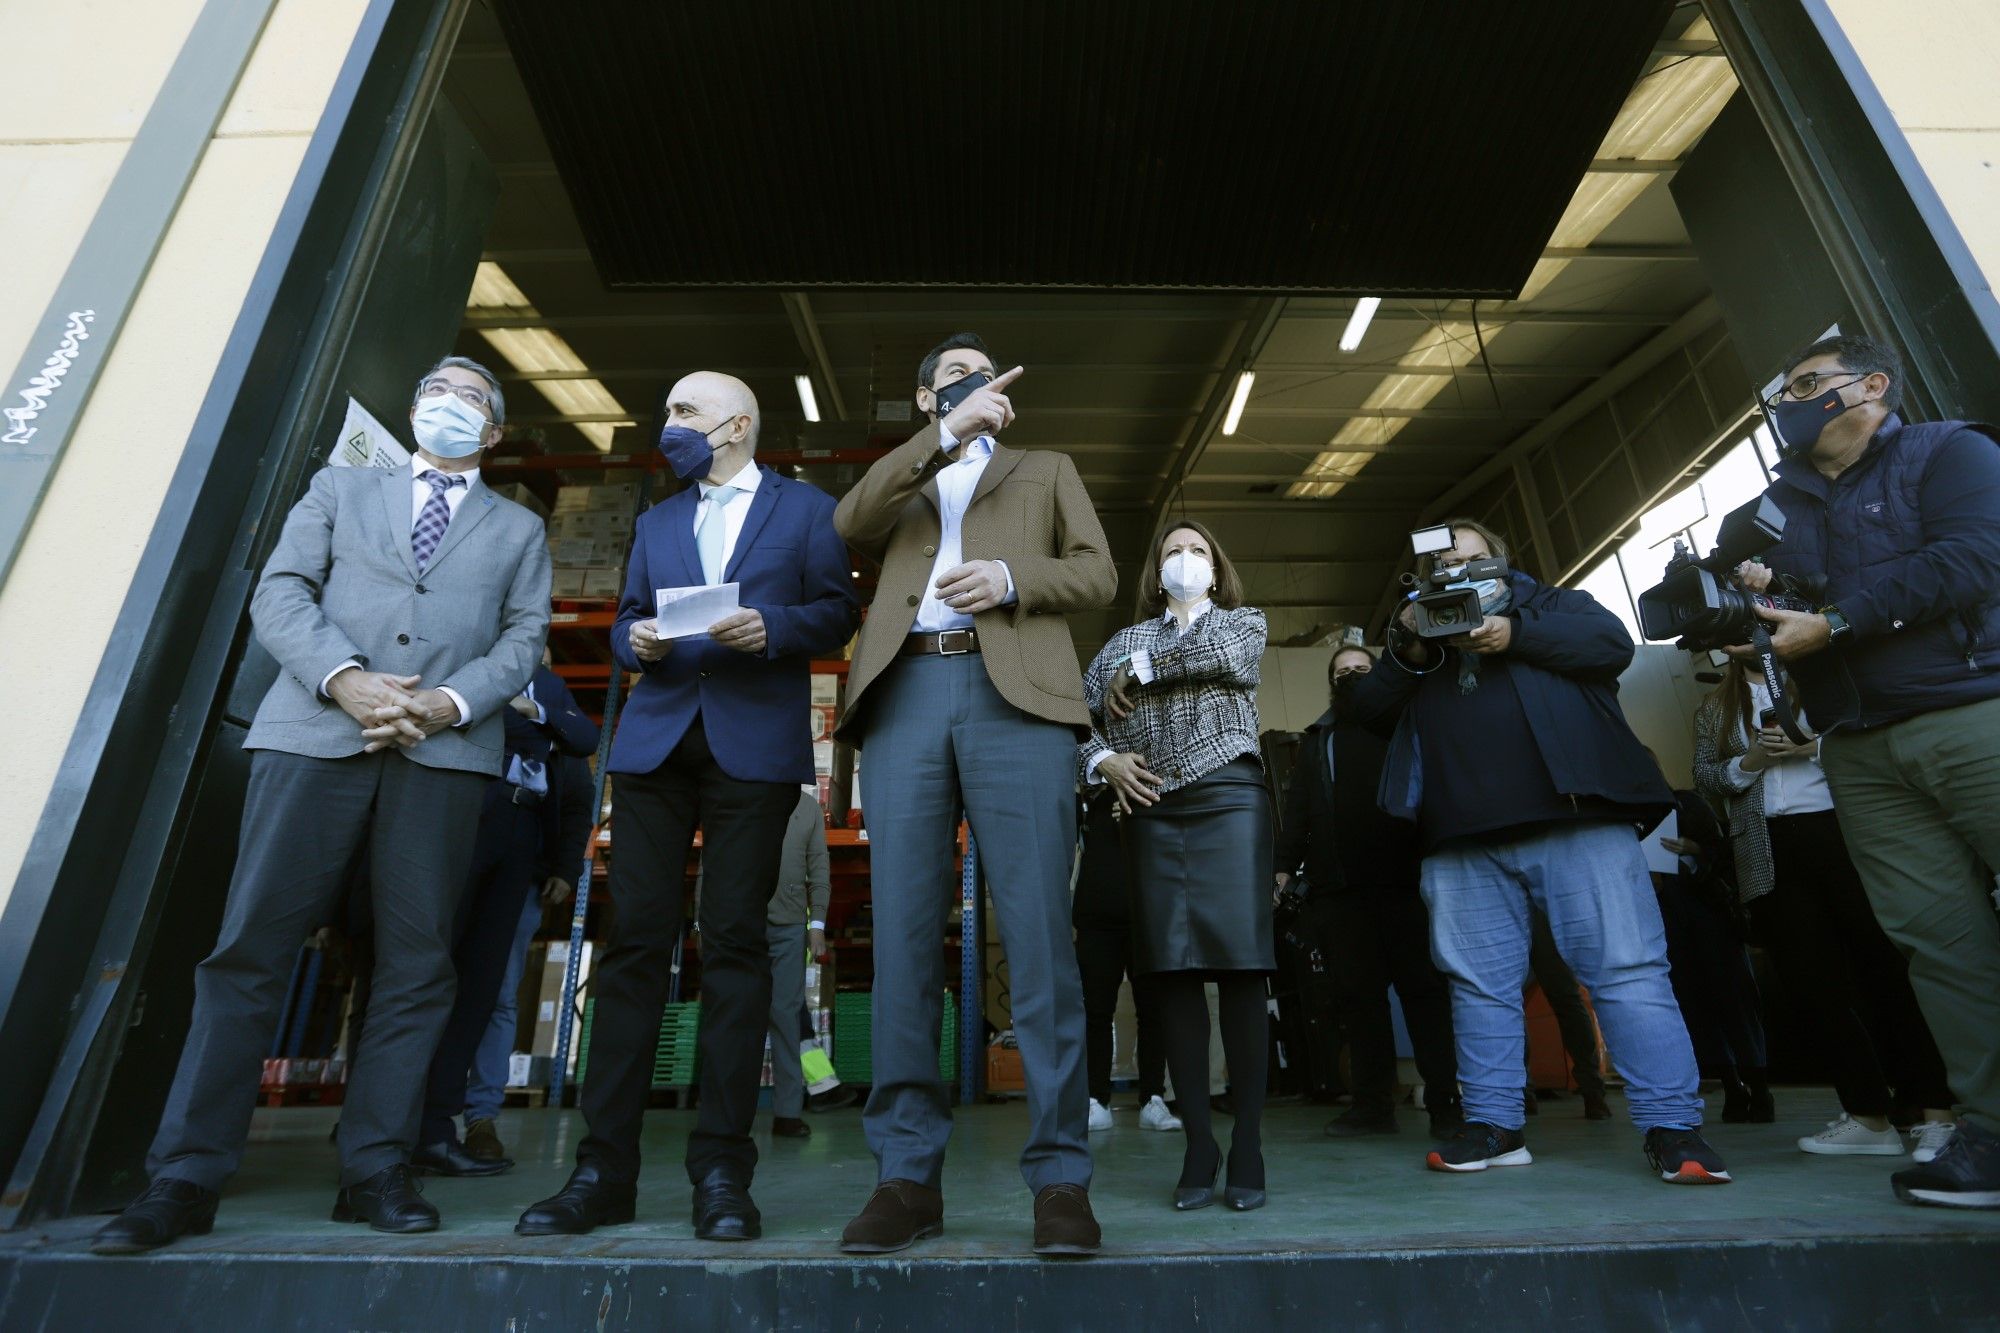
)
(446, 426)
(1800, 423)
(1494, 594)
(688, 451)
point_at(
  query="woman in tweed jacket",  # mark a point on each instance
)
(1173, 705)
(1813, 917)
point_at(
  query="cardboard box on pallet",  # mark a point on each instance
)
(604, 582)
(616, 496)
(548, 1002)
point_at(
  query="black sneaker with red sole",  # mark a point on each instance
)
(1474, 1146)
(1683, 1157)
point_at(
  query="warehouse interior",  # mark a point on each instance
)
(1501, 262)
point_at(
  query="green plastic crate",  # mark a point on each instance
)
(673, 1059)
(853, 1053)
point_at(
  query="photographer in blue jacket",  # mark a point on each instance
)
(1900, 670)
(1527, 788)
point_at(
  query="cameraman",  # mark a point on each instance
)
(1365, 908)
(1900, 670)
(1512, 757)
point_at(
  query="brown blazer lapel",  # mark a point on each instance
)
(1004, 461)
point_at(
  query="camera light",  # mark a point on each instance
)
(1357, 323)
(1428, 541)
(1235, 415)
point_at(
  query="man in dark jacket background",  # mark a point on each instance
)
(1527, 787)
(1900, 670)
(1361, 870)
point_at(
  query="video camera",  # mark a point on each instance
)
(1700, 604)
(1446, 600)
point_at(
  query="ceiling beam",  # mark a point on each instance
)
(1425, 413)
(1653, 253)
(1636, 166)
(1251, 336)
(799, 307)
(576, 254)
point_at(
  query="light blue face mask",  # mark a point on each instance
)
(1493, 594)
(446, 426)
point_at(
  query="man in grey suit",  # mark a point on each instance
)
(405, 608)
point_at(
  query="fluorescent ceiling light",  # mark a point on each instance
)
(539, 351)
(1243, 383)
(807, 403)
(1357, 323)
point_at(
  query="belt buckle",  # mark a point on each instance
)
(968, 637)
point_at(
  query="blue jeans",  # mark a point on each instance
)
(486, 1088)
(1590, 880)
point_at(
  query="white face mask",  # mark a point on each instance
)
(1187, 576)
(446, 426)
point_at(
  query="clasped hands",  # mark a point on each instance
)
(391, 709)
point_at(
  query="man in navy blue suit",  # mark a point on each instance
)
(716, 736)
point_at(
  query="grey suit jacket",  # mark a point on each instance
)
(343, 583)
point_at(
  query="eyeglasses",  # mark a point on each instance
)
(1811, 385)
(465, 392)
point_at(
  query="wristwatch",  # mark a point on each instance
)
(1837, 622)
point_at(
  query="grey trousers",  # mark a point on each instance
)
(939, 739)
(303, 820)
(788, 996)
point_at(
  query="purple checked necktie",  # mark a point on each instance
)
(434, 518)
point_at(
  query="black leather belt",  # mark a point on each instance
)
(949, 643)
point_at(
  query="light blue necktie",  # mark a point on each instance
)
(708, 538)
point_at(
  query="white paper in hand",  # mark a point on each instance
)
(1658, 859)
(686, 613)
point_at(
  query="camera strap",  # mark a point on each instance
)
(1774, 683)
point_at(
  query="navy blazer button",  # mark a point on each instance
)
(913, 599)
(704, 675)
(402, 638)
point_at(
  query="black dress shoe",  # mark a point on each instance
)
(1243, 1200)
(451, 1159)
(391, 1200)
(586, 1202)
(783, 1127)
(723, 1210)
(168, 1209)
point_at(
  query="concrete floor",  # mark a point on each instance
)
(1589, 1186)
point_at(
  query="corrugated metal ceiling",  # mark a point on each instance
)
(1424, 146)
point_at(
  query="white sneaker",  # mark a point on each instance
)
(1155, 1115)
(1100, 1115)
(1928, 1138)
(1848, 1137)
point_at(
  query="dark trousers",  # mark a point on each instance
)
(489, 914)
(1374, 937)
(743, 835)
(1103, 959)
(1712, 980)
(303, 818)
(1559, 988)
(1822, 937)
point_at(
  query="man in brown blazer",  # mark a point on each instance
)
(965, 695)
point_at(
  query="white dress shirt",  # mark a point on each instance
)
(420, 491)
(1142, 665)
(956, 483)
(734, 512)
(1792, 786)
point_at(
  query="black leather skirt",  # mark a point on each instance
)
(1198, 867)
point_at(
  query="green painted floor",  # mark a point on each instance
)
(1589, 1185)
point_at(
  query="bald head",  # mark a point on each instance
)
(722, 408)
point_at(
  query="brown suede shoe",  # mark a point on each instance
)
(1064, 1223)
(897, 1215)
(482, 1140)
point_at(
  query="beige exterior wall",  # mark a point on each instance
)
(83, 77)
(1937, 65)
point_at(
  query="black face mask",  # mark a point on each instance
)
(1799, 424)
(951, 395)
(1343, 693)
